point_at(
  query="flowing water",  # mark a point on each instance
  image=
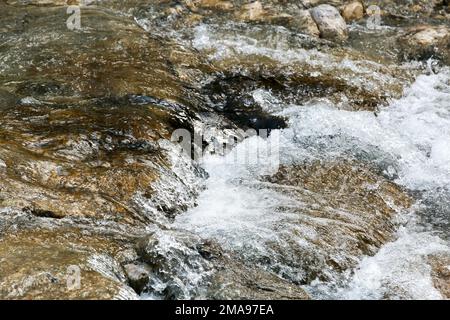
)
(346, 197)
(408, 139)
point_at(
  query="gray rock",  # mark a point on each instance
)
(127, 256)
(304, 23)
(330, 22)
(237, 281)
(313, 3)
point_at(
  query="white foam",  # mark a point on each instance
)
(229, 209)
(414, 130)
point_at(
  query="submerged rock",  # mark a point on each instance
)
(80, 164)
(214, 4)
(86, 120)
(236, 281)
(138, 276)
(92, 141)
(404, 10)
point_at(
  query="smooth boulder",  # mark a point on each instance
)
(353, 11)
(330, 22)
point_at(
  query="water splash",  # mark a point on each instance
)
(407, 140)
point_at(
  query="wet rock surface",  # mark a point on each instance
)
(86, 123)
(87, 128)
(91, 181)
(440, 265)
(43, 259)
(138, 276)
(241, 282)
(187, 265)
(426, 42)
(346, 210)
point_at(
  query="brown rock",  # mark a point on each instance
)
(102, 103)
(428, 36)
(215, 4)
(440, 265)
(60, 264)
(424, 42)
(252, 11)
(353, 11)
(235, 281)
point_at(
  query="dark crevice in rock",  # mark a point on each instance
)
(43, 213)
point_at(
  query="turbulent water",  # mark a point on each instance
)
(344, 194)
(408, 139)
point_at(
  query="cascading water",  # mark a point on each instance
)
(342, 194)
(407, 140)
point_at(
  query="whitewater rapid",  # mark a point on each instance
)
(408, 139)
